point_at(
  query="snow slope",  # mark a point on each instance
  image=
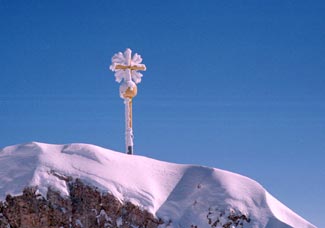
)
(183, 194)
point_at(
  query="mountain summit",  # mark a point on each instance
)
(170, 195)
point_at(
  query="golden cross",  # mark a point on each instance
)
(123, 67)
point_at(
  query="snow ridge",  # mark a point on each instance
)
(185, 195)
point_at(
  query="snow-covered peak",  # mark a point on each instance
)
(183, 194)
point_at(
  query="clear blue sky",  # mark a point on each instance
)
(238, 85)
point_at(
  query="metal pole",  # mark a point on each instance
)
(128, 126)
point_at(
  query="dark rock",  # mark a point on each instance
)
(86, 207)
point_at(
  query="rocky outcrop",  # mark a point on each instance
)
(86, 207)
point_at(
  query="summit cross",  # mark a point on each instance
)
(126, 69)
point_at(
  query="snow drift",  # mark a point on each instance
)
(182, 194)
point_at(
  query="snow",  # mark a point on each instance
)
(78, 223)
(182, 194)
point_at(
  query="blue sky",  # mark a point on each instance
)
(237, 85)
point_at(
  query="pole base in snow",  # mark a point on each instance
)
(130, 150)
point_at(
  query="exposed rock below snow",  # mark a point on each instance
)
(86, 207)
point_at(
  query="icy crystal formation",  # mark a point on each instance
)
(133, 63)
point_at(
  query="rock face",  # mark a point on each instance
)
(86, 207)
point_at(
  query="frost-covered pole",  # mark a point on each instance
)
(126, 70)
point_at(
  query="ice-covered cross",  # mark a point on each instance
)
(126, 68)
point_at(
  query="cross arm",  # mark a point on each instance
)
(134, 67)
